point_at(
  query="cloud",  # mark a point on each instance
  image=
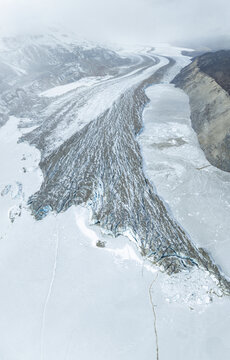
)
(146, 21)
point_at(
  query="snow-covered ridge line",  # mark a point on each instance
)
(33, 64)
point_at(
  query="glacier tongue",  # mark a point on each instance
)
(70, 290)
(101, 165)
(63, 297)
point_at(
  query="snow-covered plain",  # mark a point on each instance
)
(64, 298)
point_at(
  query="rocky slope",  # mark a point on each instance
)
(207, 82)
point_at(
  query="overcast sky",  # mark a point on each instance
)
(146, 21)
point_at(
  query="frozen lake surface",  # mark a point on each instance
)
(197, 193)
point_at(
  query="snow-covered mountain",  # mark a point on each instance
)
(30, 64)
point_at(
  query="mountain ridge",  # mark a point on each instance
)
(207, 82)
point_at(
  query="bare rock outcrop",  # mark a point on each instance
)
(207, 87)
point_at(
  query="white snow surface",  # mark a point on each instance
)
(64, 298)
(62, 89)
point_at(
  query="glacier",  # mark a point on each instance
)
(62, 295)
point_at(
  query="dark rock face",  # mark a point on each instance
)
(217, 65)
(207, 82)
